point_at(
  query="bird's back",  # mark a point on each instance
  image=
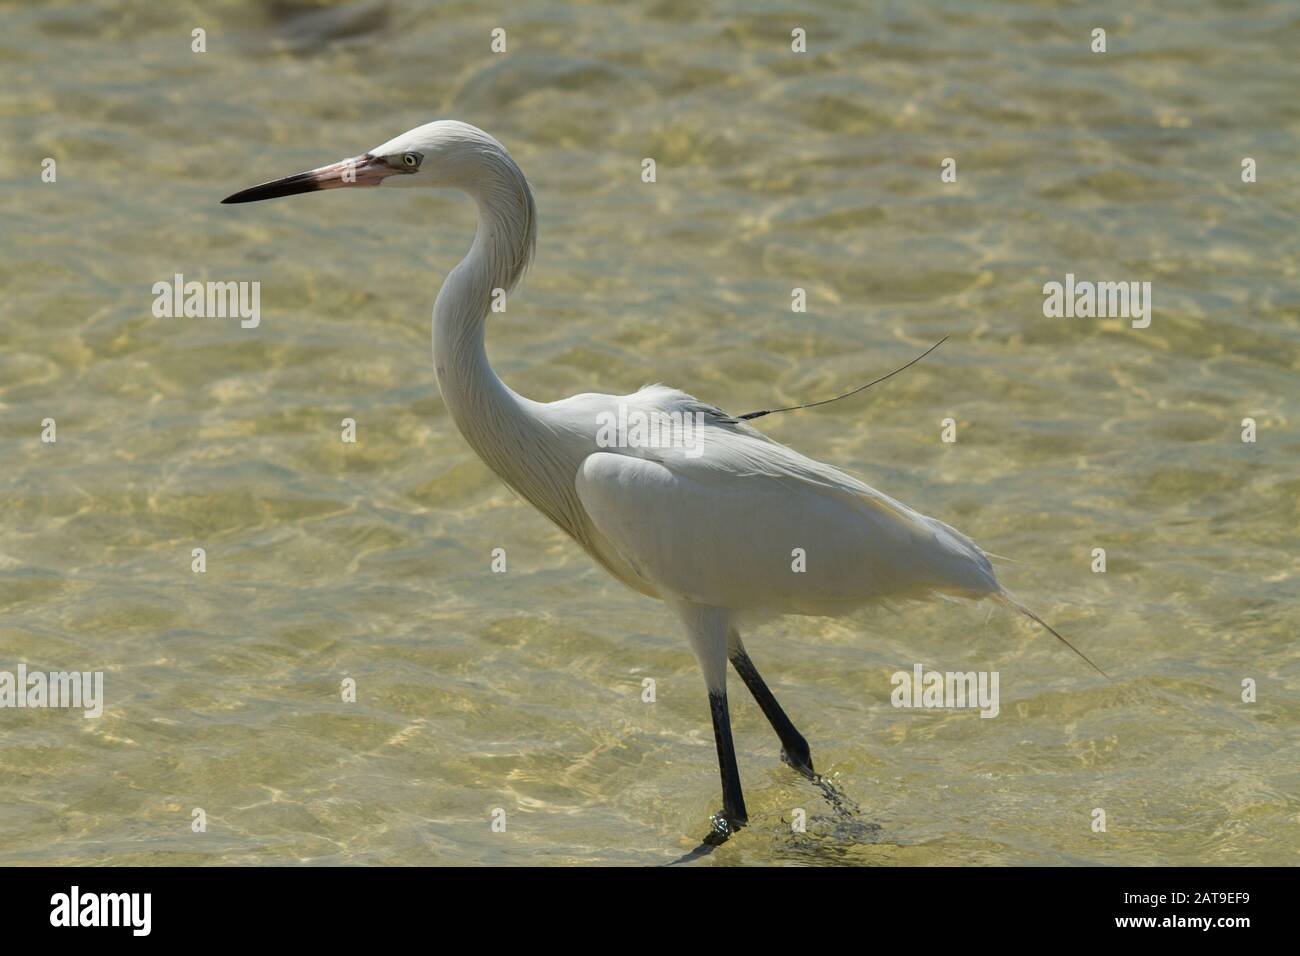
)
(730, 518)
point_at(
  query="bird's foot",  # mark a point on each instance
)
(722, 826)
(796, 755)
(800, 759)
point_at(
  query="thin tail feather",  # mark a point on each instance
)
(1011, 602)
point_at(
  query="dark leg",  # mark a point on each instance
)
(733, 815)
(794, 749)
(708, 629)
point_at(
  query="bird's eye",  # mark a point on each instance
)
(411, 160)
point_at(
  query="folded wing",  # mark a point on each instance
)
(729, 518)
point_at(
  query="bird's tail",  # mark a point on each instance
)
(1004, 597)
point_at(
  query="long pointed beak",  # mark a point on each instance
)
(364, 170)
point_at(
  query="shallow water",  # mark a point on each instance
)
(523, 690)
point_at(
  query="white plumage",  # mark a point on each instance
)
(714, 520)
(722, 527)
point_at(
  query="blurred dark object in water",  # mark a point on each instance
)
(309, 26)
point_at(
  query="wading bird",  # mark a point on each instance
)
(706, 519)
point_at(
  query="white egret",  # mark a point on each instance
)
(709, 516)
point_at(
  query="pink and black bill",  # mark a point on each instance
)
(365, 170)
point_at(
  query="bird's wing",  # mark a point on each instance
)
(727, 517)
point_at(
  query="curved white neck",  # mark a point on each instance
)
(532, 449)
(503, 246)
(509, 432)
(469, 385)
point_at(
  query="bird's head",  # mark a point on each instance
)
(446, 153)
